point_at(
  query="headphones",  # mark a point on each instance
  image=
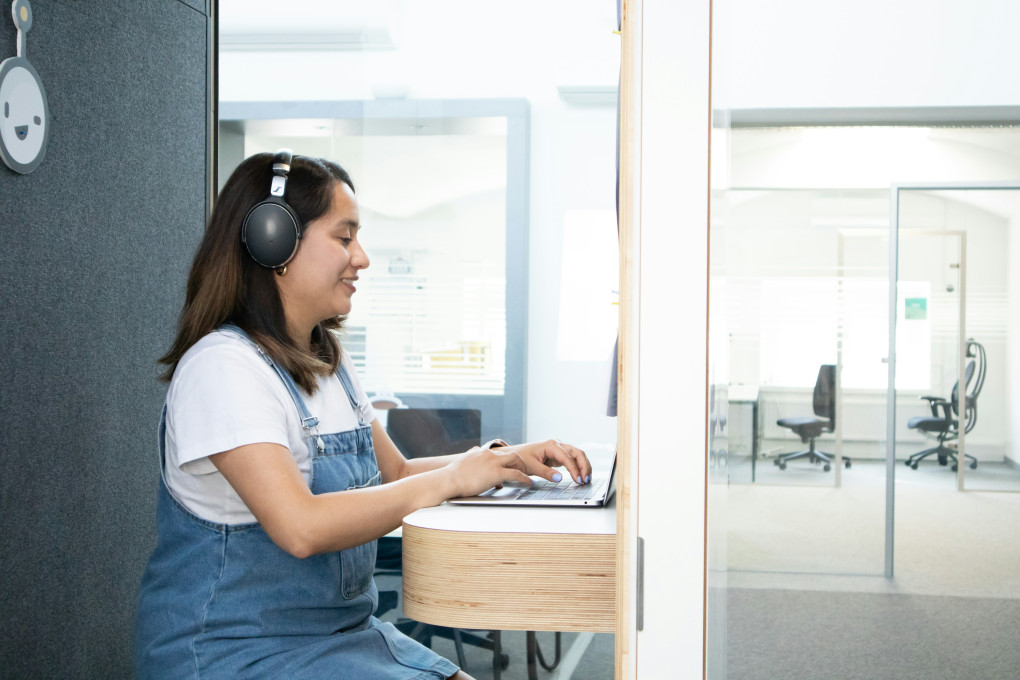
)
(272, 229)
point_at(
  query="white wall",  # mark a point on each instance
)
(870, 157)
(459, 49)
(868, 53)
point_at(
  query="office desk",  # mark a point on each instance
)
(525, 568)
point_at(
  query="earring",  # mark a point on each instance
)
(280, 271)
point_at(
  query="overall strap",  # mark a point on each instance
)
(352, 394)
(162, 444)
(308, 421)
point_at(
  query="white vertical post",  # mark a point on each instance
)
(840, 326)
(890, 426)
(961, 368)
(673, 335)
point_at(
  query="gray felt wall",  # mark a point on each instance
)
(94, 250)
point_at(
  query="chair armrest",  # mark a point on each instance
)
(934, 403)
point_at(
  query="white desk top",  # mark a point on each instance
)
(535, 520)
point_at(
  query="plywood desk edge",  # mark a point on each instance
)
(511, 578)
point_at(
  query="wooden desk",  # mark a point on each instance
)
(526, 568)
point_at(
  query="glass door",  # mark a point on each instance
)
(957, 288)
(803, 277)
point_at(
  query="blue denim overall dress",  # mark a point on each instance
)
(224, 601)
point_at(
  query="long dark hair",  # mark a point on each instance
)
(226, 285)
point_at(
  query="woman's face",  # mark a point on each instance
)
(321, 279)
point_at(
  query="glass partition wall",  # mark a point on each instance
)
(822, 263)
(486, 181)
(486, 178)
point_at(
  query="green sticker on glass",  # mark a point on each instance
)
(916, 309)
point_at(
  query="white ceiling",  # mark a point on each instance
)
(306, 16)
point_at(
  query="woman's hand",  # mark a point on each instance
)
(539, 456)
(478, 470)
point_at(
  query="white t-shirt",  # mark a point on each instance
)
(224, 395)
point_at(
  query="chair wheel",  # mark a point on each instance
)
(907, 463)
(782, 466)
(955, 467)
(973, 466)
(778, 461)
(913, 465)
(504, 661)
(827, 467)
(846, 464)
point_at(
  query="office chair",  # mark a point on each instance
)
(419, 433)
(810, 427)
(427, 432)
(946, 427)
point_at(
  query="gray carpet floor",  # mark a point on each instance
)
(789, 634)
(804, 595)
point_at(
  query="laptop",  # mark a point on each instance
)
(543, 492)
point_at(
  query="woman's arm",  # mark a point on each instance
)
(392, 463)
(269, 482)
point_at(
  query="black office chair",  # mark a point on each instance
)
(810, 428)
(427, 432)
(946, 427)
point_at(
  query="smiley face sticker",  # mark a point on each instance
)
(24, 111)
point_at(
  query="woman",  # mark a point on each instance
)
(276, 477)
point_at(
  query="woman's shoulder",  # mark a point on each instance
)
(220, 352)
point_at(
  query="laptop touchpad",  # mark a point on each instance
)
(508, 491)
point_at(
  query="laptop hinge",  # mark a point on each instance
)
(640, 583)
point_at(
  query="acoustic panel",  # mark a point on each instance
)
(96, 246)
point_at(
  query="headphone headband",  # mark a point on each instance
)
(282, 159)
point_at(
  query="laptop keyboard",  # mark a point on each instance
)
(544, 490)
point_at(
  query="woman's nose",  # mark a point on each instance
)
(359, 258)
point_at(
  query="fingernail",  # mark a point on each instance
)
(557, 476)
(580, 480)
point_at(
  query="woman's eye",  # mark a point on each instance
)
(346, 241)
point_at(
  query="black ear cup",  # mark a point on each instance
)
(271, 232)
(272, 229)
